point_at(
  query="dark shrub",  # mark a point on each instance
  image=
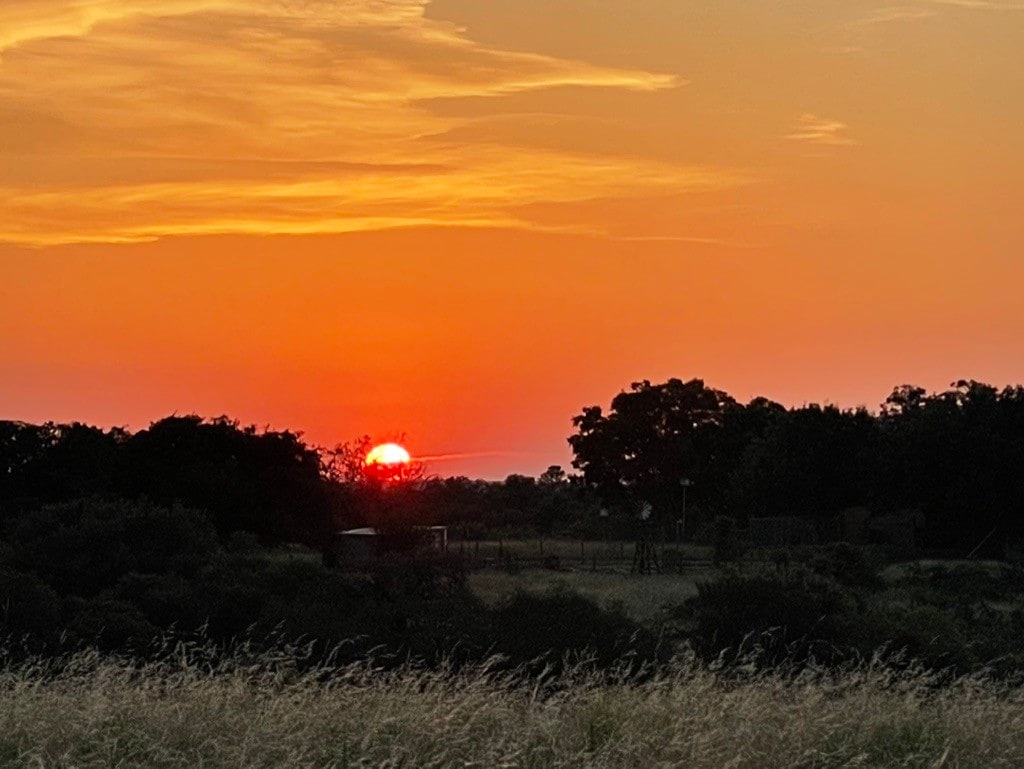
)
(777, 616)
(81, 548)
(848, 565)
(424, 574)
(165, 600)
(409, 609)
(28, 608)
(421, 607)
(547, 628)
(925, 633)
(110, 624)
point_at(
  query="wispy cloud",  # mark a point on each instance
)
(813, 129)
(469, 455)
(986, 5)
(692, 239)
(925, 9)
(134, 119)
(892, 14)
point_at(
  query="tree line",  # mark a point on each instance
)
(271, 484)
(955, 456)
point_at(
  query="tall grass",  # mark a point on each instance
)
(192, 709)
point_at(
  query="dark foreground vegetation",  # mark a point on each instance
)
(196, 529)
(116, 576)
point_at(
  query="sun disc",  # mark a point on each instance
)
(388, 455)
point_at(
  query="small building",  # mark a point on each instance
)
(358, 547)
(362, 546)
(434, 537)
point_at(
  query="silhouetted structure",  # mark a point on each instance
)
(645, 555)
(362, 546)
(358, 547)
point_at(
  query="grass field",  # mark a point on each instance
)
(89, 712)
(639, 596)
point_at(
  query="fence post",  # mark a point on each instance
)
(583, 557)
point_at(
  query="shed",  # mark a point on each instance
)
(434, 537)
(358, 546)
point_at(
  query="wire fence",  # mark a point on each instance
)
(560, 553)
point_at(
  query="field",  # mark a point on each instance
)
(639, 596)
(91, 712)
(597, 570)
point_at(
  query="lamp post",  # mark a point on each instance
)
(685, 483)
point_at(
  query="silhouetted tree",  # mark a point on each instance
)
(812, 461)
(653, 438)
(346, 461)
(43, 463)
(958, 455)
(269, 483)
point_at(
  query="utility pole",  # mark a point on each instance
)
(685, 483)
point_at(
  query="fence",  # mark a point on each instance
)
(571, 553)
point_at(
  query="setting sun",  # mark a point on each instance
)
(388, 455)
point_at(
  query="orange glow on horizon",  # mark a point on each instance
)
(469, 220)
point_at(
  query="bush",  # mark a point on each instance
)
(546, 628)
(775, 616)
(81, 548)
(926, 634)
(847, 564)
(425, 573)
(29, 609)
(110, 624)
(409, 608)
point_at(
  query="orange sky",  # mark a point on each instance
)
(465, 220)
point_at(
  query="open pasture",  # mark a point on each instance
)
(639, 596)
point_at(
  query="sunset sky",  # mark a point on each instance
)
(464, 220)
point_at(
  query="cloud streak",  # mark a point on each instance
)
(133, 119)
(812, 129)
(985, 5)
(889, 15)
(926, 9)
